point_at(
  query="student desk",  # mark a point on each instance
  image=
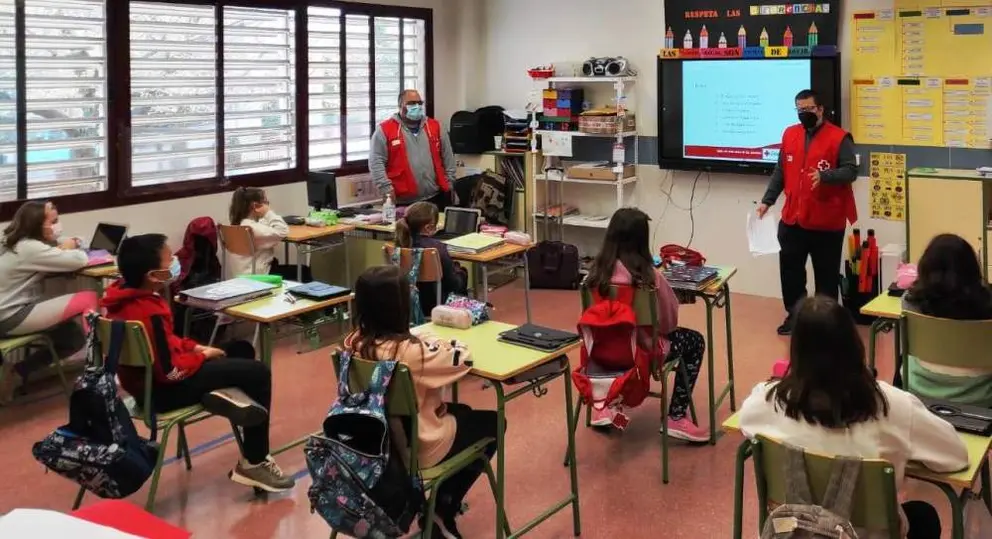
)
(978, 448)
(99, 274)
(493, 256)
(314, 239)
(888, 311)
(499, 362)
(717, 295)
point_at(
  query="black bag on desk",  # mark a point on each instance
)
(554, 265)
(538, 337)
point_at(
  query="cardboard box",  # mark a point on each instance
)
(598, 171)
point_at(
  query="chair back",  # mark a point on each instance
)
(136, 351)
(875, 506)
(239, 240)
(430, 266)
(951, 343)
(401, 398)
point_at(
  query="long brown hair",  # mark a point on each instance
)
(417, 216)
(627, 241)
(242, 201)
(950, 282)
(28, 223)
(382, 311)
(827, 382)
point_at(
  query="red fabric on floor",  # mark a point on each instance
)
(129, 518)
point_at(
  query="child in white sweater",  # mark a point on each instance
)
(250, 207)
(829, 402)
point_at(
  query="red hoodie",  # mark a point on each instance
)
(175, 357)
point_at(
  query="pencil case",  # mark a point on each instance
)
(451, 317)
(517, 237)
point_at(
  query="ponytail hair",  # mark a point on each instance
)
(242, 201)
(417, 216)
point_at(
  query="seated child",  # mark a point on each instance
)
(414, 231)
(187, 373)
(250, 207)
(829, 402)
(28, 253)
(625, 259)
(382, 319)
(950, 285)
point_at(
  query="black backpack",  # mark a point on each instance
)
(473, 132)
(99, 448)
(553, 264)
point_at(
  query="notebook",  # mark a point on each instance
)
(98, 257)
(474, 243)
(224, 294)
(689, 277)
(318, 291)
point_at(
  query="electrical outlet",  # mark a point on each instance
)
(857, 159)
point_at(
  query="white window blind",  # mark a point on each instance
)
(173, 93)
(259, 90)
(8, 107)
(324, 70)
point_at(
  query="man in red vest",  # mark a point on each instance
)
(816, 165)
(411, 156)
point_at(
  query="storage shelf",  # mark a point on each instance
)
(585, 221)
(625, 134)
(614, 183)
(591, 79)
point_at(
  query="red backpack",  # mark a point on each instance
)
(610, 354)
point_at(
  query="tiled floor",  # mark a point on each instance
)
(619, 476)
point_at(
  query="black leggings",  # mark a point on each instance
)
(688, 345)
(924, 522)
(252, 377)
(472, 426)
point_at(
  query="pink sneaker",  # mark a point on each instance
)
(685, 429)
(602, 416)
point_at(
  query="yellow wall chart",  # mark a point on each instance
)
(888, 186)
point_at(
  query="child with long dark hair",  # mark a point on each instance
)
(950, 285)
(382, 321)
(829, 402)
(250, 207)
(625, 259)
(414, 231)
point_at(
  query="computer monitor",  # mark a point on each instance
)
(322, 190)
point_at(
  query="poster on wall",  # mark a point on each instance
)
(887, 197)
(739, 24)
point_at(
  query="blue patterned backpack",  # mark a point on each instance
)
(361, 486)
(417, 256)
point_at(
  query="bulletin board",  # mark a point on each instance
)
(922, 74)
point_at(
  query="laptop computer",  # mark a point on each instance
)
(965, 418)
(318, 291)
(458, 222)
(108, 237)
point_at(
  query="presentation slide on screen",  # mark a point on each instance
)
(736, 110)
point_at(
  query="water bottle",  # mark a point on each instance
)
(389, 210)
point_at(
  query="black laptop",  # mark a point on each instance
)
(538, 337)
(318, 291)
(458, 222)
(965, 418)
(107, 237)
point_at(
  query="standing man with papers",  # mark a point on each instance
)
(817, 163)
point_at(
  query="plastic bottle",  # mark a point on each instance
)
(389, 210)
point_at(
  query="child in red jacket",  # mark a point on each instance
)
(187, 373)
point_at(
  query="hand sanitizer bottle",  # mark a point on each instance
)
(389, 210)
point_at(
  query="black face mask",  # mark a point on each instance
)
(808, 119)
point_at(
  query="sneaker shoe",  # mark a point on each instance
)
(266, 476)
(601, 417)
(233, 404)
(439, 531)
(685, 429)
(447, 525)
(786, 327)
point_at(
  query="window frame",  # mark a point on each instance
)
(119, 190)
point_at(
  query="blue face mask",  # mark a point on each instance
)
(415, 112)
(175, 269)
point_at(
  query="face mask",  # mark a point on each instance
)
(808, 119)
(57, 229)
(415, 112)
(175, 269)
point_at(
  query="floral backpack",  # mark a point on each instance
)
(361, 486)
(416, 313)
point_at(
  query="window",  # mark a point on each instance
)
(382, 56)
(8, 111)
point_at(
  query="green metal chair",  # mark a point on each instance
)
(137, 352)
(401, 402)
(27, 343)
(875, 506)
(942, 341)
(646, 310)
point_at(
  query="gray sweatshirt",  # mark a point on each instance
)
(418, 149)
(23, 269)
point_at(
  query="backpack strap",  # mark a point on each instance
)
(113, 357)
(839, 495)
(94, 352)
(163, 356)
(344, 392)
(379, 385)
(796, 481)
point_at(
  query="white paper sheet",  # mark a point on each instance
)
(762, 234)
(35, 523)
(556, 144)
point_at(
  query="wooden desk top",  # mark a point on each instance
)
(496, 253)
(491, 358)
(105, 271)
(275, 307)
(301, 233)
(884, 306)
(978, 448)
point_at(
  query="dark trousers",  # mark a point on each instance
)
(240, 370)
(924, 522)
(472, 426)
(442, 200)
(824, 247)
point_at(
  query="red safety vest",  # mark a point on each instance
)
(398, 163)
(827, 207)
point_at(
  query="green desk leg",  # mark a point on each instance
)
(721, 299)
(570, 412)
(500, 459)
(743, 453)
(730, 350)
(265, 343)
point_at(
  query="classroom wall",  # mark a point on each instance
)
(523, 33)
